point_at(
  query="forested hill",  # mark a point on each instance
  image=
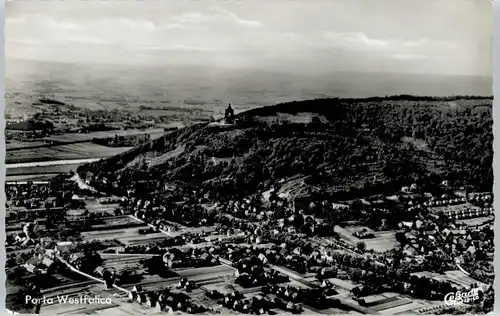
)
(345, 147)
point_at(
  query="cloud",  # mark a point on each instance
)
(174, 48)
(194, 31)
(217, 16)
(356, 38)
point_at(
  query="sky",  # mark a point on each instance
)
(447, 37)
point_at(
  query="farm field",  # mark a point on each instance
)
(461, 278)
(30, 170)
(63, 152)
(219, 271)
(403, 309)
(113, 222)
(395, 302)
(30, 177)
(122, 262)
(20, 144)
(52, 285)
(70, 137)
(203, 277)
(119, 304)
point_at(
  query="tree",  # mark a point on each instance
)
(361, 246)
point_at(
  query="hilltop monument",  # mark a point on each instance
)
(229, 115)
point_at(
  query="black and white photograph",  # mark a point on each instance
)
(175, 157)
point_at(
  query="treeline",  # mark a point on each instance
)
(30, 125)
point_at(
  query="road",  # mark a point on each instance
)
(82, 185)
(51, 163)
(88, 275)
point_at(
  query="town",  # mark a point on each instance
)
(218, 158)
(271, 252)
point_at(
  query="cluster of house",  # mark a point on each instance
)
(462, 206)
(294, 258)
(270, 254)
(480, 197)
(248, 209)
(165, 300)
(186, 285)
(422, 236)
(28, 194)
(123, 140)
(37, 203)
(108, 276)
(75, 259)
(311, 297)
(26, 136)
(159, 216)
(468, 212)
(256, 305)
(77, 215)
(466, 241)
(41, 265)
(251, 276)
(25, 238)
(191, 257)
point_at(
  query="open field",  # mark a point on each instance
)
(383, 240)
(30, 177)
(63, 152)
(30, 169)
(52, 285)
(452, 208)
(397, 301)
(456, 277)
(122, 262)
(343, 284)
(219, 271)
(95, 207)
(208, 276)
(476, 221)
(116, 222)
(118, 306)
(403, 309)
(127, 236)
(11, 144)
(51, 163)
(69, 137)
(459, 277)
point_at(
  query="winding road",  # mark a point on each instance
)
(51, 163)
